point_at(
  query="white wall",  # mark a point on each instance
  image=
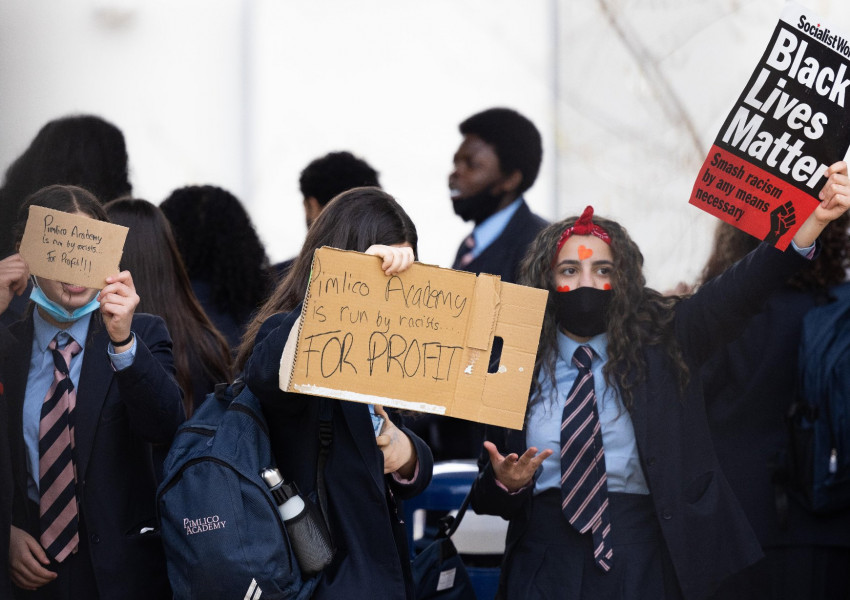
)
(243, 94)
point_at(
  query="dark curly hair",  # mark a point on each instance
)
(637, 316)
(220, 246)
(831, 267)
(354, 220)
(79, 150)
(514, 138)
(334, 173)
(151, 255)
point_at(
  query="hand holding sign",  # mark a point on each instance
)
(399, 454)
(118, 301)
(13, 279)
(836, 191)
(835, 200)
(396, 258)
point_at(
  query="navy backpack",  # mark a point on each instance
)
(221, 529)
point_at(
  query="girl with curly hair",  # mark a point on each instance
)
(223, 254)
(612, 488)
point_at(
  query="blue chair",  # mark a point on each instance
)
(448, 488)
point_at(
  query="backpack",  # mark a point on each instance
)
(221, 529)
(819, 422)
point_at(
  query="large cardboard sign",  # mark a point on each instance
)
(765, 169)
(71, 248)
(420, 340)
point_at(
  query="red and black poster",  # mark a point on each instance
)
(765, 169)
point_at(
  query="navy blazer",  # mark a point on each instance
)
(504, 255)
(118, 415)
(7, 346)
(372, 559)
(749, 386)
(703, 526)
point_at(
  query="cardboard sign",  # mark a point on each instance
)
(420, 340)
(71, 248)
(765, 169)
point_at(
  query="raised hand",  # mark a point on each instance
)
(513, 471)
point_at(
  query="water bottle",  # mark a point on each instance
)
(308, 534)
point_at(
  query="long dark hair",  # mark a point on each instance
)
(831, 267)
(637, 316)
(151, 255)
(219, 245)
(354, 220)
(79, 150)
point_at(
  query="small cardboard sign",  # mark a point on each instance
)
(419, 340)
(71, 248)
(765, 170)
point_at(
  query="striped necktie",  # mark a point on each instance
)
(583, 478)
(466, 252)
(57, 469)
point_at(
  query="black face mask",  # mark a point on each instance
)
(477, 207)
(583, 311)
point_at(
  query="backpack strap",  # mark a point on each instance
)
(449, 523)
(325, 439)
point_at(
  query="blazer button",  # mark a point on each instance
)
(666, 515)
(95, 539)
(650, 461)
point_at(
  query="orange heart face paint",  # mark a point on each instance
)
(583, 261)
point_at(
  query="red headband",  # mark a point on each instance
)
(584, 226)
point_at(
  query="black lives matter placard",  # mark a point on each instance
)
(765, 169)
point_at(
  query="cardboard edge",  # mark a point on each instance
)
(315, 390)
(288, 359)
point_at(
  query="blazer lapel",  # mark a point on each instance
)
(95, 379)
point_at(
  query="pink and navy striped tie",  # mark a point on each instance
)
(466, 252)
(583, 478)
(57, 470)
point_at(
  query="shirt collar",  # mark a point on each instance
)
(568, 346)
(491, 227)
(44, 332)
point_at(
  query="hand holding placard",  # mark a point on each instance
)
(71, 248)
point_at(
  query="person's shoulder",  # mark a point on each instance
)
(530, 219)
(285, 320)
(144, 323)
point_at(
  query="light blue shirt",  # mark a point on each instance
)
(486, 232)
(40, 378)
(622, 462)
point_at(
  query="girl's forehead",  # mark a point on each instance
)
(584, 247)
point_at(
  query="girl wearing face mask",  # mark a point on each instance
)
(612, 489)
(90, 386)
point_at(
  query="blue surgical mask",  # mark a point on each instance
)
(57, 311)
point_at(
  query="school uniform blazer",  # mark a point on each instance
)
(372, 559)
(749, 386)
(118, 414)
(503, 256)
(7, 346)
(702, 524)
